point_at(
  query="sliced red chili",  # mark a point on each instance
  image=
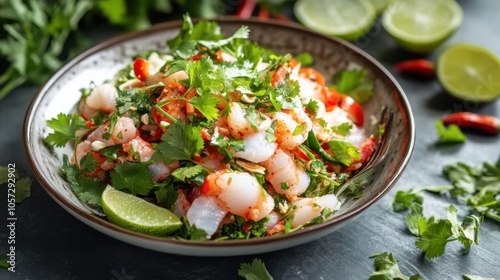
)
(419, 67)
(141, 69)
(353, 109)
(488, 124)
(263, 13)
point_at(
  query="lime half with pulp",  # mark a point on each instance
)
(469, 72)
(136, 214)
(422, 25)
(346, 19)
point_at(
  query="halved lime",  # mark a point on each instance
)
(422, 25)
(469, 72)
(346, 19)
(136, 214)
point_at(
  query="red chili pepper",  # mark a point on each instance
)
(418, 67)
(246, 8)
(353, 109)
(141, 69)
(263, 13)
(280, 17)
(205, 188)
(488, 124)
(279, 76)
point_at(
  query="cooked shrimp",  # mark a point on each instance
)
(85, 148)
(124, 131)
(286, 176)
(257, 148)
(206, 213)
(310, 208)
(286, 125)
(239, 193)
(181, 204)
(239, 125)
(138, 150)
(161, 171)
(175, 77)
(103, 97)
(211, 158)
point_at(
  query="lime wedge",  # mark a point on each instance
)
(469, 72)
(346, 19)
(422, 25)
(136, 214)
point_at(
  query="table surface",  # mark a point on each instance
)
(52, 244)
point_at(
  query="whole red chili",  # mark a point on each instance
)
(488, 124)
(418, 67)
(246, 8)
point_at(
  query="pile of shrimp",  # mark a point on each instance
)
(227, 192)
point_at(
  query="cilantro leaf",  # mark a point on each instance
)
(205, 103)
(452, 134)
(133, 177)
(404, 199)
(466, 232)
(343, 151)
(241, 33)
(191, 232)
(184, 173)
(354, 83)
(415, 220)
(254, 271)
(205, 75)
(137, 98)
(312, 106)
(88, 189)
(435, 238)
(87, 163)
(65, 127)
(111, 152)
(343, 129)
(166, 196)
(180, 142)
(386, 268)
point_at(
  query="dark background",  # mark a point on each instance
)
(51, 244)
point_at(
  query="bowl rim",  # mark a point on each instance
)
(89, 218)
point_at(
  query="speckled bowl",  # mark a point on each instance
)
(61, 93)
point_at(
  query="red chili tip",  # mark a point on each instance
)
(418, 67)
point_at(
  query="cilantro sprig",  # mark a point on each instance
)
(65, 128)
(254, 271)
(386, 267)
(181, 142)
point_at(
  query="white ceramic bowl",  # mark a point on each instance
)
(61, 93)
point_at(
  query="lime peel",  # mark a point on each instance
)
(136, 214)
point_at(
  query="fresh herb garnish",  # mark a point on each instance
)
(386, 267)
(254, 271)
(65, 128)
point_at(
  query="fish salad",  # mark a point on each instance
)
(234, 139)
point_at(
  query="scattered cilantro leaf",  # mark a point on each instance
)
(111, 152)
(65, 127)
(415, 220)
(404, 199)
(4, 263)
(133, 177)
(180, 142)
(387, 268)
(452, 134)
(254, 271)
(435, 238)
(354, 83)
(299, 129)
(467, 231)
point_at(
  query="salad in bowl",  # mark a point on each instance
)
(216, 138)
